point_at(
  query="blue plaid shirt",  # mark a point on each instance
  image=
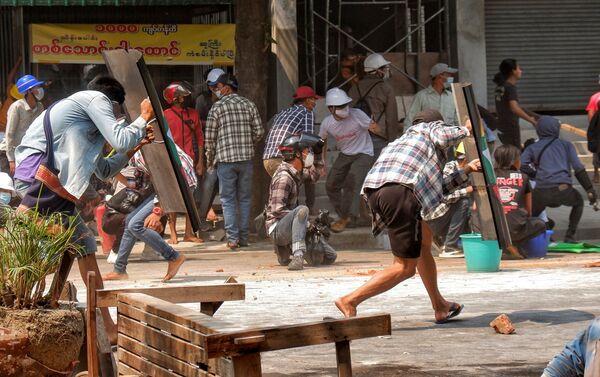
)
(293, 120)
(417, 160)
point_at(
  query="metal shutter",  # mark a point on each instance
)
(556, 43)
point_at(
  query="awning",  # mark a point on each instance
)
(48, 3)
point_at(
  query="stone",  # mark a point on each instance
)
(503, 325)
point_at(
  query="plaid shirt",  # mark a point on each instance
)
(450, 169)
(416, 160)
(187, 166)
(284, 190)
(293, 120)
(233, 128)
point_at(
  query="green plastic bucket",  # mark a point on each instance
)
(480, 255)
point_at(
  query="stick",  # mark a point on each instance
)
(573, 129)
(60, 277)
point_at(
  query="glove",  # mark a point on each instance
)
(592, 196)
(584, 180)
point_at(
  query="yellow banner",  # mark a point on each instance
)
(160, 43)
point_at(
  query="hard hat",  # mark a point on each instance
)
(14, 92)
(375, 61)
(337, 97)
(294, 144)
(213, 75)
(305, 92)
(6, 182)
(175, 89)
(27, 82)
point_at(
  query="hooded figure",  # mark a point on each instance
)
(550, 161)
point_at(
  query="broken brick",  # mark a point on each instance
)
(502, 325)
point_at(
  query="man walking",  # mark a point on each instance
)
(233, 129)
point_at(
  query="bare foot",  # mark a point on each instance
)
(593, 264)
(211, 216)
(347, 309)
(115, 276)
(514, 252)
(173, 268)
(173, 240)
(192, 239)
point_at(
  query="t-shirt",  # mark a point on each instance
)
(351, 134)
(508, 122)
(512, 186)
(593, 104)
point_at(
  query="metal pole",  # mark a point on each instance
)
(306, 51)
(326, 42)
(447, 28)
(312, 30)
(414, 30)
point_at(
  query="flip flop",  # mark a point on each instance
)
(454, 311)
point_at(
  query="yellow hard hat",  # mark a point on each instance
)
(460, 148)
(14, 92)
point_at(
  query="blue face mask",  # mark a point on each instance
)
(5, 197)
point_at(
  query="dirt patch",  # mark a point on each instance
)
(55, 335)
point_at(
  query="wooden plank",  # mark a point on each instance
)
(126, 370)
(159, 323)
(577, 131)
(178, 314)
(300, 335)
(344, 359)
(106, 361)
(177, 348)
(247, 365)
(147, 368)
(182, 294)
(90, 326)
(159, 358)
(60, 277)
(210, 308)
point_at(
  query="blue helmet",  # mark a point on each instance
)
(27, 82)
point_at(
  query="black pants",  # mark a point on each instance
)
(346, 201)
(512, 138)
(563, 195)
(4, 165)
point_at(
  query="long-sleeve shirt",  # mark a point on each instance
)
(184, 125)
(416, 160)
(427, 99)
(232, 130)
(19, 117)
(450, 169)
(290, 121)
(81, 125)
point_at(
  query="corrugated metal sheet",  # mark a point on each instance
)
(48, 3)
(556, 43)
(10, 41)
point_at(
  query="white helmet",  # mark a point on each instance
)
(337, 97)
(375, 61)
(6, 182)
(213, 75)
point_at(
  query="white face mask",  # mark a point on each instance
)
(38, 93)
(5, 197)
(343, 113)
(218, 94)
(309, 160)
(449, 82)
(386, 73)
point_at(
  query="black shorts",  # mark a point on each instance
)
(400, 211)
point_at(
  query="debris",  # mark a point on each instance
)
(366, 273)
(502, 325)
(219, 270)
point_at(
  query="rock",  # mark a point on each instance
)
(503, 325)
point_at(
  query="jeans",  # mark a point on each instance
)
(564, 195)
(291, 230)
(235, 190)
(346, 203)
(209, 188)
(579, 357)
(135, 230)
(453, 223)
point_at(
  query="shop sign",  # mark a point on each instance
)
(163, 44)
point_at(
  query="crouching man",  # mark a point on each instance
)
(286, 221)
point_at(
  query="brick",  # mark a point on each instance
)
(503, 325)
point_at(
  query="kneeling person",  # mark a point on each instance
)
(286, 221)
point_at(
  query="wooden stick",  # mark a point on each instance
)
(90, 324)
(60, 277)
(573, 130)
(344, 360)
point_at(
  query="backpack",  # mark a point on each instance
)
(593, 133)
(362, 103)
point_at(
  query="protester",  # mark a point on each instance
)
(450, 219)
(7, 191)
(286, 221)
(144, 222)
(186, 131)
(550, 161)
(209, 185)
(19, 117)
(350, 129)
(406, 184)
(507, 103)
(515, 194)
(579, 357)
(437, 96)
(375, 94)
(233, 129)
(78, 127)
(348, 72)
(592, 108)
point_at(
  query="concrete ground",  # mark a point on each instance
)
(549, 300)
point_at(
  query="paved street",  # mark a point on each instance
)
(549, 300)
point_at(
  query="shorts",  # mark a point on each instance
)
(400, 211)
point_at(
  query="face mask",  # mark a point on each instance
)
(218, 94)
(386, 74)
(309, 160)
(5, 197)
(448, 82)
(38, 93)
(343, 113)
